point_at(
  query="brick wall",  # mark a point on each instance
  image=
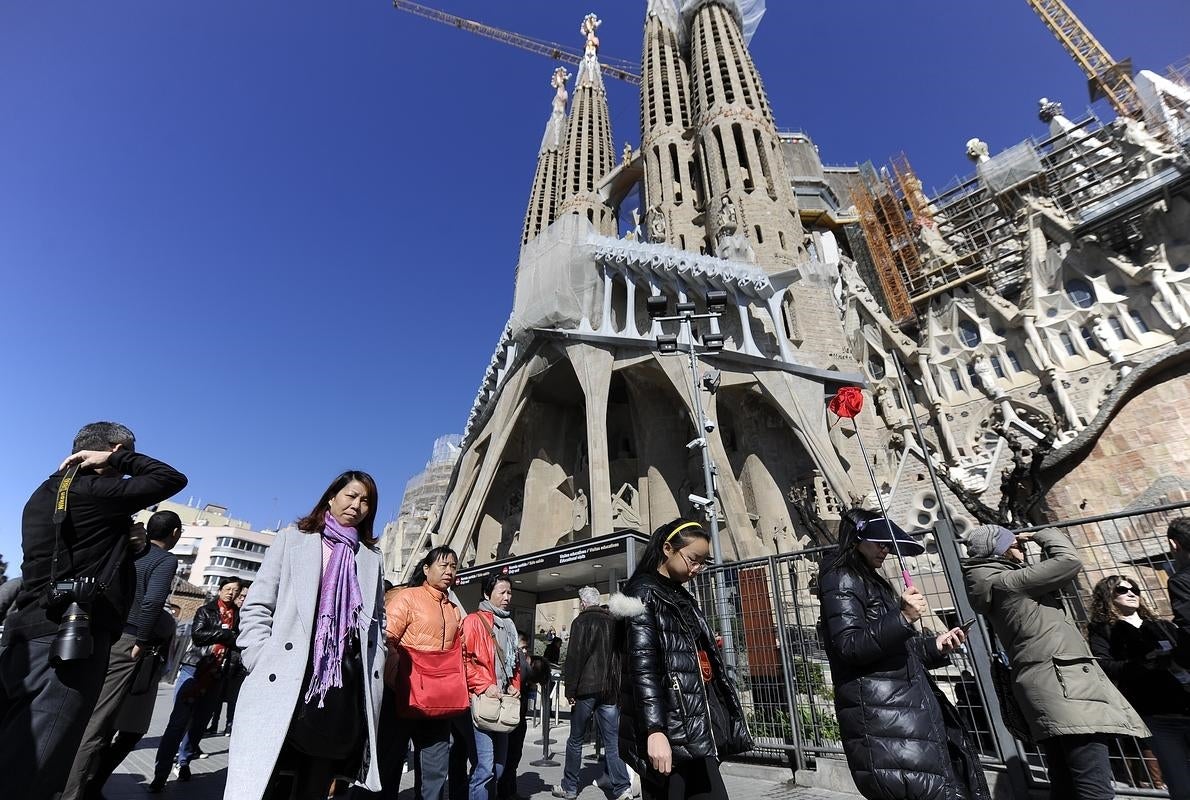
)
(1141, 457)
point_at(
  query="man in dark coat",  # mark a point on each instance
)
(200, 681)
(1179, 583)
(44, 706)
(591, 679)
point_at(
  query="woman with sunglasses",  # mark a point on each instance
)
(1136, 649)
(902, 737)
(679, 712)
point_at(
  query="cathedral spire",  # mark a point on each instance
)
(671, 177)
(589, 154)
(543, 196)
(749, 199)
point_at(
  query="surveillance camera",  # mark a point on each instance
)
(708, 426)
(693, 443)
(700, 501)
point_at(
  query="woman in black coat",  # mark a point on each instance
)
(679, 712)
(902, 737)
(1137, 651)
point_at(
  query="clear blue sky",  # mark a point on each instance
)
(277, 239)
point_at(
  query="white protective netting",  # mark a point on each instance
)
(558, 284)
(747, 12)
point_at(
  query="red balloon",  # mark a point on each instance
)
(847, 402)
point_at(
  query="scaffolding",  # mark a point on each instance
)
(886, 231)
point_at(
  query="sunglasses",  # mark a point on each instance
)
(1123, 590)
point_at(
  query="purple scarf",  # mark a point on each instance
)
(340, 608)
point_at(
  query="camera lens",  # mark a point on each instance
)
(73, 641)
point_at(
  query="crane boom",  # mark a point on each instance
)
(1106, 76)
(614, 68)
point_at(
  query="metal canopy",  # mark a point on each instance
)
(558, 573)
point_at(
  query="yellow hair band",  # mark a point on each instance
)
(681, 528)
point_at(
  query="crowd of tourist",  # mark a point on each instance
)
(336, 680)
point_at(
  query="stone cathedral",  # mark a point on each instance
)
(581, 427)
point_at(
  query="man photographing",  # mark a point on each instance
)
(78, 585)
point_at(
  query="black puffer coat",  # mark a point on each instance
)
(207, 631)
(895, 723)
(660, 633)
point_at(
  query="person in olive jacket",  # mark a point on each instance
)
(902, 737)
(679, 712)
(1072, 708)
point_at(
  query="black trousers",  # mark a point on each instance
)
(689, 780)
(1079, 768)
(507, 787)
(44, 712)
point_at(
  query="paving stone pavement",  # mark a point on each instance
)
(129, 781)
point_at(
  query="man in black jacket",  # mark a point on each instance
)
(591, 679)
(44, 706)
(1179, 582)
(200, 681)
(155, 567)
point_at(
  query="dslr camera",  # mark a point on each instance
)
(72, 600)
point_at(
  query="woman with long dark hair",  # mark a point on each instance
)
(311, 632)
(1136, 650)
(679, 711)
(902, 736)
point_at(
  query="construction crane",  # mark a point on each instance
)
(612, 68)
(1106, 77)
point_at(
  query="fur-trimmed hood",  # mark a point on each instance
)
(624, 606)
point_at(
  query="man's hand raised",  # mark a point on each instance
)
(88, 459)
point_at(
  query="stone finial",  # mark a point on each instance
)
(590, 24)
(977, 150)
(558, 81)
(1048, 109)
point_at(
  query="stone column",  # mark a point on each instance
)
(593, 366)
(1157, 279)
(927, 381)
(1043, 355)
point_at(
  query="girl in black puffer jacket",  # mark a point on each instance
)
(679, 712)
(902, 737)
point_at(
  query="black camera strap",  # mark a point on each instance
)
(59, 517)
(107, 572)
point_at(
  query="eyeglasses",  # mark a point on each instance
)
(695, 566)
(1123, 590)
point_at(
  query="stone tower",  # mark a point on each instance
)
(543, 197)
(748, 192)
(589, 155)
(672, 186)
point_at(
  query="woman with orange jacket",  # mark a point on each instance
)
(422, 617)
(493, 669)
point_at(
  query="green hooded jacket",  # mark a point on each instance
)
(1060, 686)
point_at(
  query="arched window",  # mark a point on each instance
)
(997, 366)
(956, 379)
(1088, 338)
(1138, 320)
(876, 366)
(969, 333)
(1080, 293)
(1117, 328)
(1014, 361)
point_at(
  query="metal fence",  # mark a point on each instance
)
(785, 680)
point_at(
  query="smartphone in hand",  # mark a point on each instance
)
(966, 626)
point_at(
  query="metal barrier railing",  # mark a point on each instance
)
(784, 677)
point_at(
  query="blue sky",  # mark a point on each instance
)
(277, 239)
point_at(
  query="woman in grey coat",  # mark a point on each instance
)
(1072, 708)
(312, 635)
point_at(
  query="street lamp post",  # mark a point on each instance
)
(712, 341)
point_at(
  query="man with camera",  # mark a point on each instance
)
(75, 596)
(155, 567)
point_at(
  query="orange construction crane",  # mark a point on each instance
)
(1106, 77)
(612, 68)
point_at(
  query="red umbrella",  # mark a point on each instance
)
(846, 404)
